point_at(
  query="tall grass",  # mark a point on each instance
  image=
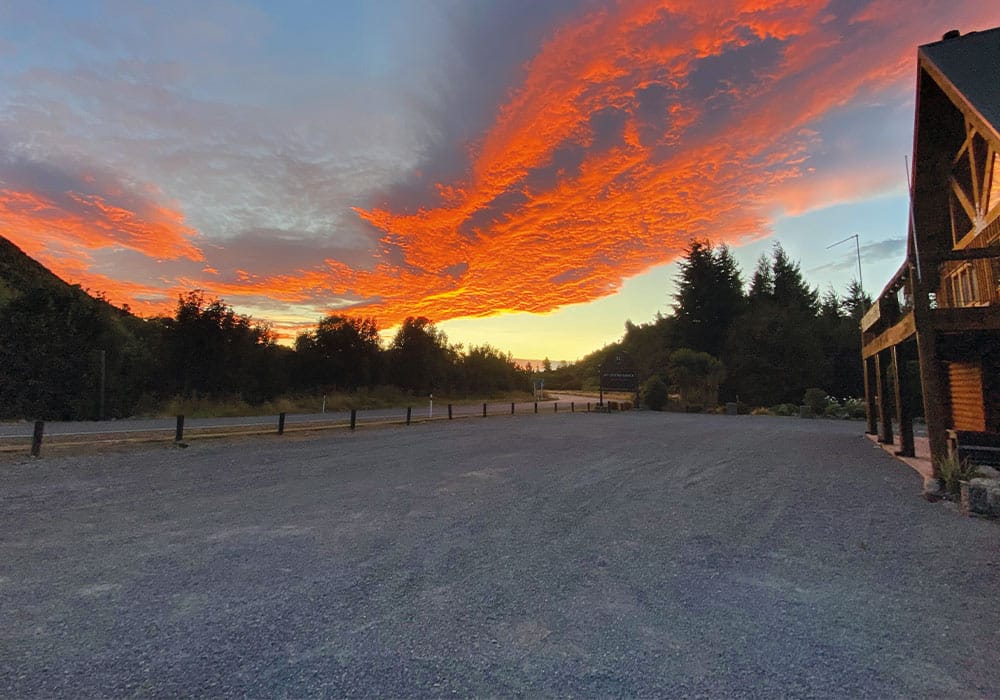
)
(378, 397)
(954, 471)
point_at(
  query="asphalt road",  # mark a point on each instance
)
(596, 555)
(421, 411)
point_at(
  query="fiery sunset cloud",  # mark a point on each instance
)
(533, 158)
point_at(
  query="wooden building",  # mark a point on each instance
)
(941, 311)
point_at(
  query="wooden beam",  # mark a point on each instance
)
(963, 254)
(965, 318)
(891, 336)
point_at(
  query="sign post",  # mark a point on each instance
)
(619, 373)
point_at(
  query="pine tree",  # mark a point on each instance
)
(709, 297)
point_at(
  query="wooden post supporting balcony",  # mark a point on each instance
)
(933, 376)
(871, 409)
(904, 409)
(884, 412)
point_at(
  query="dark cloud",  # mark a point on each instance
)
(489, 44)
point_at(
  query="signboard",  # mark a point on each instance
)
(619, 373)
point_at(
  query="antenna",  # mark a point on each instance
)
(857, 247)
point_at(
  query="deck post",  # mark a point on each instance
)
(904, 410)
(884, 413)
(871, 410)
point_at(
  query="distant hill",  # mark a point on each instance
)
(52, 334)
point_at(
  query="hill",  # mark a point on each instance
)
(52, 335)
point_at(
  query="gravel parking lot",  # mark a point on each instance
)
(638, 554)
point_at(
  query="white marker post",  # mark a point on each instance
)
(430, 410)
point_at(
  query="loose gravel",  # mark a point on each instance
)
(596, 555)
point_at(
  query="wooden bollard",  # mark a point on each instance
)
(354, 418)
(536, 407)
(572, 406)
(179, 430)
(409, 410)
(588, 407)
(36, 438)
(511, 408)
(555, 407)
(484, 410)
(449, 411)
(281, 423)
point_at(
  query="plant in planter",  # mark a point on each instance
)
(953, 472)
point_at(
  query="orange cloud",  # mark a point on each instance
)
(631, 131)
(636, 201)
(35, 220)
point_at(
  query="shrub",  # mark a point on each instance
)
(654, 393)
(785, 409)
(954, 471)
(816, 400)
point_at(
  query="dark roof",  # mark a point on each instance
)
(971, 63)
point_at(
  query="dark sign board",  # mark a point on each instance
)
(619, 373)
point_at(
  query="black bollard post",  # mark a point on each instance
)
(36, 438)
(572, 406)
(555, 407)
(354, 418)
(588, 407)
(409, 410)
(511, 408)
(179, 430)
(536, 407)
(449, 411)
(281, 423)
(484, 410)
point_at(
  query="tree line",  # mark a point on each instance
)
(61, 346)
(764, 342)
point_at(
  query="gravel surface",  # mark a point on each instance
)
(638, 554)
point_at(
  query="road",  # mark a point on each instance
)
(421, 411)
(595, 555)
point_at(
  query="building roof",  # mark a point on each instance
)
(971, 63)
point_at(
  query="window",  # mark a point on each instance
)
(964, 287)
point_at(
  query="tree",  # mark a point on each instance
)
(654, 393)
(709, 297)
(762, 282)
(420, 358)
(696, 375)
(342, 353)
(790, 289)
(775, 350)
(215, 351)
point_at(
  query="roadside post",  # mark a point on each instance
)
(281, 423)
(409, 409)
(354, 418)
(36, 438)
(484, 410)
(430, 408)
(179, 430)
(449, 411)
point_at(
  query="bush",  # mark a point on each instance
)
(785, 409)
(816, 400)
(954, 471)
(654, 393)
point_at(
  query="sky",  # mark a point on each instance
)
(525, 174)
